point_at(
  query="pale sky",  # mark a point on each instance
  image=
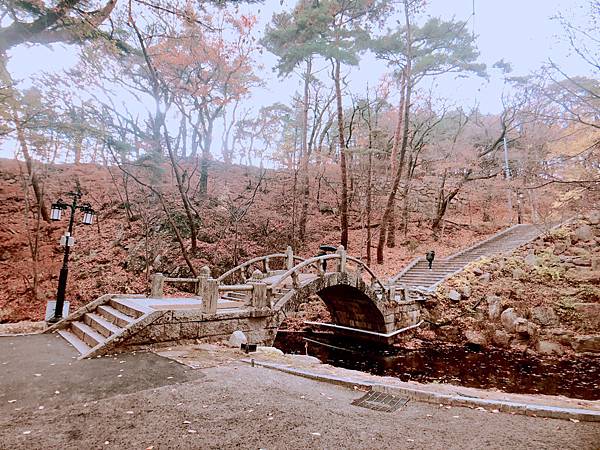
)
(520, 31)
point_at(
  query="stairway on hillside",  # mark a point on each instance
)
(95, 328)
(418, 274)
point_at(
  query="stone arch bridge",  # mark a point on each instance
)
(254, 297)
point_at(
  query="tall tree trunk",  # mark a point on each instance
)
(35, 183)
(343, 169)
(304, 162)
(389, 207)
(369, 206)
(391, 229)
(205, 160)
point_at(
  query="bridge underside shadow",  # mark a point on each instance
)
(349, 300)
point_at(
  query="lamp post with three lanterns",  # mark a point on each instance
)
(67, 241)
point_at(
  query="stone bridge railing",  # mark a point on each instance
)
(258, 292)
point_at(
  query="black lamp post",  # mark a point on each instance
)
(67, 241)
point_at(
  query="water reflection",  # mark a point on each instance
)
(490, 368)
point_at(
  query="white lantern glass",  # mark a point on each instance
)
(55, 213)
(88, 217)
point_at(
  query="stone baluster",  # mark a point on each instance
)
(210, 296)
(266, 267)
(202, 277)
(158, 281)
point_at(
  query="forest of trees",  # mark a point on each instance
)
(162, 92)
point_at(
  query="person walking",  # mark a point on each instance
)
(430, 256)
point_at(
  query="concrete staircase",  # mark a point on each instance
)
(418, 275)
(107, 321)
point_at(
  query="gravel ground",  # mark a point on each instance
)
(236, 406)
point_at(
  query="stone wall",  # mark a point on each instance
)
(192, 326)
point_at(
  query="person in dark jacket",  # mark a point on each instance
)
(430, 256)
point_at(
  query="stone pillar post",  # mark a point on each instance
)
(391, 291)
(289, 258)
(259, 295)
(210, 296)
(202, 277)
(156, 290)
(342, 262)
(267, 267)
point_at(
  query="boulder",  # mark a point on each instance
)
(590, 312)
(237, 338)
(501, 338)
(595, 263)
(543, 315)
(581, 261)
(549, 348)
(476, 338)
(583, 233)
(531, 260)
(519, 274)
(508, 319)
(521, 325)
(485, 277)
(593, 217)
(269, 351)
(466, 291)
(579, 275)
(586, 344)
(454, 295)
(560, 248)
(494, 306)
(477, 271)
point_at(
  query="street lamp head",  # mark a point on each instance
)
(88, 215)
(57, 209)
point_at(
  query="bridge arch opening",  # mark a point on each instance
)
(351, 307)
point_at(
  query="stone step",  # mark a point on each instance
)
(125, 308)
(101, 325)
(87, 334)
(114, 316)
(79, 345)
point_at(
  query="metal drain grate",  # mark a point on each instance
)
(380, 401)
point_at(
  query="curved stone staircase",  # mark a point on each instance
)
(417, 274)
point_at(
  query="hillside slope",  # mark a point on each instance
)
(119, 253)
(545, 297)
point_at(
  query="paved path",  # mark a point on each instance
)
(33, 368)
(230, 406)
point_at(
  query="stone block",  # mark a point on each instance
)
(172, 331)
(189, 330)
(189, 315)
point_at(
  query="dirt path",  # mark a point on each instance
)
(230, 406)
